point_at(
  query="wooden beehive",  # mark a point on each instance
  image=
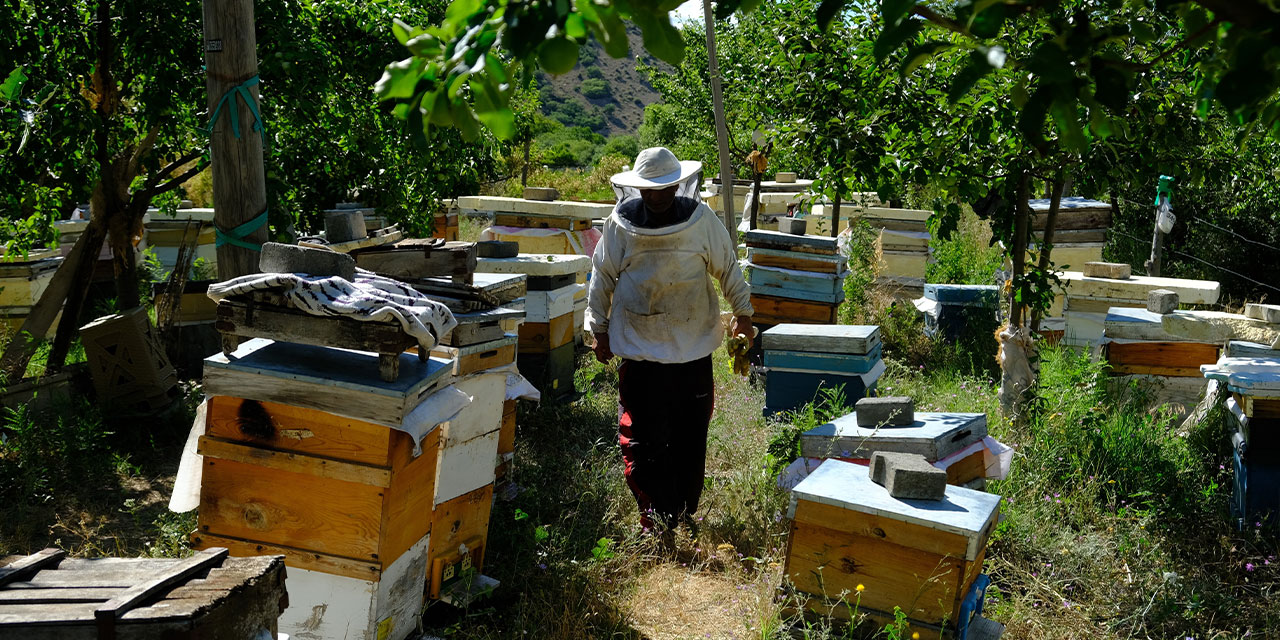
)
(804, 359)
(126, 358)
(933, 435)
(921, 555)
(22, 283)
(209, 596)
(479, 356)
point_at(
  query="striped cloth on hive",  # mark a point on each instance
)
(370, 298)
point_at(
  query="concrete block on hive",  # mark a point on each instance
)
(497, 249)
(1162, 301)
(290, 258)
(891, 411)
(1269, 313)
(785, 177)
(344, 225)
(908, 476)
(543, 194)
(1113, 270)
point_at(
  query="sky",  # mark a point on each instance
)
(691, 10)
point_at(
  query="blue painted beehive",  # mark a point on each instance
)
(803, 359)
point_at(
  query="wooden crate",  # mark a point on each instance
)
(550, 372)
(1160, 358)
(22, 283)
(462, 522)
(332, 494)
(541, 222)
(788, 390)
(478, 357)
(209, 596)
(933, 435)
(542, 337)
(126, 358)
(337, 381)
(772, 309)
(923, 556)
(543, 306)
(795, 260)
(803, 285)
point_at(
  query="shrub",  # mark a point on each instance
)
(595, 88)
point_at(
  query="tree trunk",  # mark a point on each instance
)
(524, 171)
(722, 129)
(239, 182)
(81, 276)
(755, 201)
(1020, 226)
(835, 215)
(1060, 185)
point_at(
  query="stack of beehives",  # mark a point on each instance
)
(1137, 347)
(794, 278)
(802, 360)
(370, 469)
(555, 308)
(1080, 229)
(777, 197)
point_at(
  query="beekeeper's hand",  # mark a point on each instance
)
(601, 347)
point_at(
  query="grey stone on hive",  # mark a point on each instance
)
(793, 226)
(1162, 301)
(1264, 312)
(890, 411)
(1113, 270)
(545, 194)
(344, 225)
(785, 177)
(497, 249)
(290, 258)
(908, 476)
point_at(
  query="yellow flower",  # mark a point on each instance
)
(860, 588)
(915, 636)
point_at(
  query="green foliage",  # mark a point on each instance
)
(595, 88)
(621, 145)
(42, 452)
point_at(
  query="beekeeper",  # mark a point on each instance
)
(653, 304)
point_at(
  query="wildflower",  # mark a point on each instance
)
(1248, 566)
(860, 588)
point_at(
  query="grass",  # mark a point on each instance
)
(574, 184)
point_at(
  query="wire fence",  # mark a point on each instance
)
(1221, 268)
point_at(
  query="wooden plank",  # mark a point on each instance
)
(776, 310)
(328, 516)
(296, 429)
(249, 319)
(760, 238)
(299, 558)
(825, 562)
(464, 519)
(536, 264)
(331, 468)
(795, 260)
(414, 259)
(56, 595)
(32, 615)
(23, 568)
(832, 298)
(968, 468)
(832, 362)
(541, 222)
(1160, 358)
(108, 612)
(901, 533)
(545, 336)
(1136, 288)
(831, 285)
(847, 339)
(411, 497)
(507, 433)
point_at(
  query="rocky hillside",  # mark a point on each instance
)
(606, 95)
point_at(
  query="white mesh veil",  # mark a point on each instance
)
(691, 188)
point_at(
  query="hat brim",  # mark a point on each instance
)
(634, 180)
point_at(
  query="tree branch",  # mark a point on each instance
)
(178, 181)
(942, 21)
(142, 148)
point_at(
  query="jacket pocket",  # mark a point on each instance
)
(649, 328)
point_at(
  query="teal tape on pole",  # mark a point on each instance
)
(229, 99)
(237, 235)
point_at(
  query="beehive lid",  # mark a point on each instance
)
(933, 435)
(340, 381)
(535, 264)
(848, 486)
(1246, 349)
(1259, 377)
(822, 338)
(1127, 323)
(545, 208)
(1137, 287)
(975, 294)
(777, 239)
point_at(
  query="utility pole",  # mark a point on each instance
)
(722, 130)
(1164, 222)
(239, 181)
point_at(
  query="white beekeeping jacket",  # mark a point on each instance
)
(651, 288)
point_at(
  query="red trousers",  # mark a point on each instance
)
(662, 429)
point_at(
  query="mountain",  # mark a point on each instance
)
(606, 95)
